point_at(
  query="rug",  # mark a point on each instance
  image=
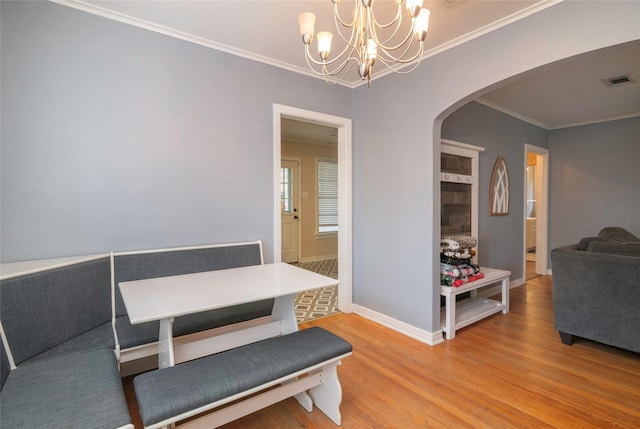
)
(317, 303)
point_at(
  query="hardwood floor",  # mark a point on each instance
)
(506, 371)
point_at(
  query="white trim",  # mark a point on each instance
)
(596, 121)
(512, 113)
(467, 146)
(516, 16)
(345, 242)
(16, 269)
(430, 338)
(547, 126)
(173, 249)
(3, 337)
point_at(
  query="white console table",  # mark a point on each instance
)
(458, 315)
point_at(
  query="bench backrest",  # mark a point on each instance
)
(42, 309)
(128, 266)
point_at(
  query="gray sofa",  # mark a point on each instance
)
(596, 289)
(65, 332)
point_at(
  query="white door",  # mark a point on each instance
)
(289, 179)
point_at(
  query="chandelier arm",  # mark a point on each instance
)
(400, 60)
(325, 63)
(323, 67)
(325, 77)
(351, 38)
(415, 66)
(409, 35)
(338, 18)
(397, 18)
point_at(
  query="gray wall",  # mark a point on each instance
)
(101, 151)
(500, 135)
(594, 180)
(397, 129)
(117, 138)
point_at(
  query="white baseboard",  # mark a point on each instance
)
(430, 338)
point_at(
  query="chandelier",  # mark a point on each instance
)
(370, 41)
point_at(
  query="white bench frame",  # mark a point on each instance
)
(321, 380)
(190, 346)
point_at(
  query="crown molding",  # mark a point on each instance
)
(512, 113)
(168, 31)
(596, 121)
(177, 34)
(535, 8)
(553, 127)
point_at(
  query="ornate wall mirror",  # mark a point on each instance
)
(499, 197)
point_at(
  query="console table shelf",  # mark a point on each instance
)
(458, 315)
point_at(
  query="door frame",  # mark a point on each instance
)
(345, 242)
(542, 212)
(297, 183)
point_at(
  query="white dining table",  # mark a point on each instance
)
(165, 298)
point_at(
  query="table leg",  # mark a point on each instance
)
(165, 343)
(450, 315)
(505, 294)
(284, 310)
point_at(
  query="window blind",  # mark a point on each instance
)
(327, 195)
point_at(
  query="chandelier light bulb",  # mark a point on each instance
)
(413, 7)
(324, 44)
(307, 22)
(422, 24)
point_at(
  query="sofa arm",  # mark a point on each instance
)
(597, 296)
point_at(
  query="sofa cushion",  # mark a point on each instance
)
(72, 391)
(631, 248)
(584, 243)
(615, 233)
(54, 306)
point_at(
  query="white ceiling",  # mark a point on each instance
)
(565, 94)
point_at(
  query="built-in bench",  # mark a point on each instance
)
(247, 377)
(68, 314)
(136, 342)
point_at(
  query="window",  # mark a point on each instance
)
(286, 197)
(327, 195)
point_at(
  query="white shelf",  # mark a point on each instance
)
(456, 315)
(471, 310)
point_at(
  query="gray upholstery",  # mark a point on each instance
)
(97, 338)
(596, 296)
(72, 391)
(133, 335)
(4, 364)
(141, 266)
(169, 392)
(47, 308)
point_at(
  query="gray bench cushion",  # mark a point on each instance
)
(169, 392)
(44, 309)
(73, 391)
(97, 338)
(141, 266)
(133, 335)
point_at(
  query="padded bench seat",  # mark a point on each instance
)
(171, 394)
(77, 390)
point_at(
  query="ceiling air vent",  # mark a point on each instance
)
(619, 80)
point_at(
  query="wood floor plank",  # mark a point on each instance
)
(506, 371)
